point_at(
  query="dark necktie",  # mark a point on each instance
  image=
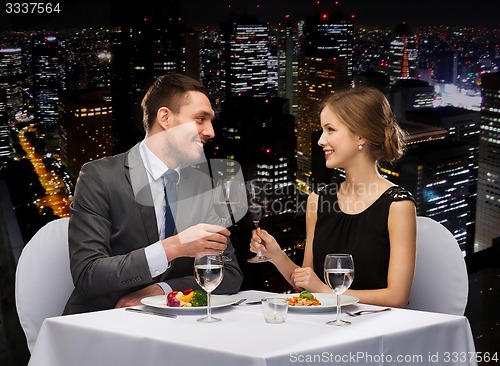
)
(170, 179)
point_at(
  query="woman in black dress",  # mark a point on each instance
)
(366, 215)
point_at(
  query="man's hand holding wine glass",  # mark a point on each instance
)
(196, 239)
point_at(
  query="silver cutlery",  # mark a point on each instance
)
(242, 301)
(239, 301)
(361, 312)
(253, 302)
(151, 312)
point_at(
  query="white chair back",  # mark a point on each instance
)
(441, 282)
(43, 278)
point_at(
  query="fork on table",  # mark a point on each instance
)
(361, 312)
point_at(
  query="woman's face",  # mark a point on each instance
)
(338, 142)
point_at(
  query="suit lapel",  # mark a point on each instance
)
(138, 179)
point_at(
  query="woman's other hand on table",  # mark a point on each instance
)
(306, 279)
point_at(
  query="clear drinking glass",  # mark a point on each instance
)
(227, 200)
(257, 207)
(208, 271)
(339, 274)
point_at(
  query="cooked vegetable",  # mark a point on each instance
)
(173, 302)
(199, 299)
(171, 295)
(187, 297)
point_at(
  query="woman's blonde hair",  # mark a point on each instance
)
(367, 113)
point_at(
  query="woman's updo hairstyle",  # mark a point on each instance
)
(367, 113)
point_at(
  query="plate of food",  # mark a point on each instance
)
(316, 302)
(188, 301)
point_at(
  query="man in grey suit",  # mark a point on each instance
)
(119, 251)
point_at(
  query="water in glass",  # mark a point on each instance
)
(208, 272)
(339, 274)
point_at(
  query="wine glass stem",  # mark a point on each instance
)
(259, 253)
(338, 308)
(209, 310)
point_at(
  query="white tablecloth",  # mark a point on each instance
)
(118, 337)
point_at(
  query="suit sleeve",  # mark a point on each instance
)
(95, 266)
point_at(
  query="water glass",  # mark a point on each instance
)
(275, 309)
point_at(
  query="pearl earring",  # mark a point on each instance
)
(360, 147)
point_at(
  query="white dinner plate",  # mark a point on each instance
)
(328, 302)
(217, 301)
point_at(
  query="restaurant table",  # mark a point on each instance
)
(125, 338)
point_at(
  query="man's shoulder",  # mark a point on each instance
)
(103, 169)
(106, 162)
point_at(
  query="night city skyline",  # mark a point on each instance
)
(71, 85)
(92, 52)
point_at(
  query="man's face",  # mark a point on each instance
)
(189, 130)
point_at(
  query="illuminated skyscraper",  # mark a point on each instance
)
(488, 191)
(330, 35)
(212, 65)
(463, 126)
(323, 69)
(402, 54)
(86, 128)
(246, 50)
(410, 94)
(259, 133)
(288, 52)
(12, 76)
(49, 77)
(318, 77)
(436, 171)
(6, 152)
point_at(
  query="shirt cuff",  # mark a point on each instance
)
(156, 258)
(165, 287)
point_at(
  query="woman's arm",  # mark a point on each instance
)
(311, 217)
(262, 240)
(304, 277)
(402, 235)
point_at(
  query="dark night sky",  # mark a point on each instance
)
(368, 12)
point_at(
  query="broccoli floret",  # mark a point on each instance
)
(199, 299)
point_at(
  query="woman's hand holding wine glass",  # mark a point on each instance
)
(257, 207)
(339, 274)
